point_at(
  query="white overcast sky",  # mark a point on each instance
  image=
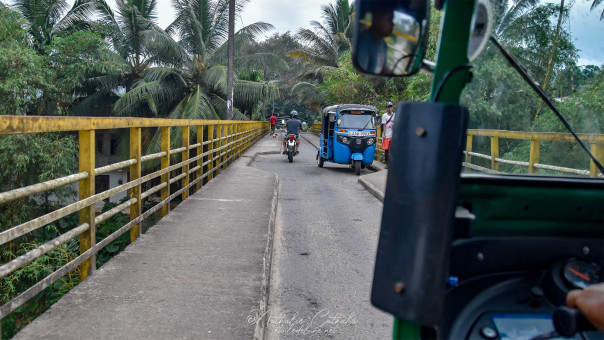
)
(290, 15)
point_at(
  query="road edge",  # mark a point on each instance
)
(372, 189)
(261, 324)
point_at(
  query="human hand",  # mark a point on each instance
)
(590, 302)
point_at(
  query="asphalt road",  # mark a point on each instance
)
(326, 236)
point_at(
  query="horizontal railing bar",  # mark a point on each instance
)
(153, 190)
(113, 167)
(561, 169)
(194, 146)
(34, 224)
(177, 150)
(177, 178)
(480, 168)
(192, 170)
(109, 213)
(41, 187)
(507, 161)
(541, 136)
(475, 154)
(153, 156)
(207, 142)
(33, 124)
(33, 254)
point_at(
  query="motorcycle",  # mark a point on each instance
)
(291, 142)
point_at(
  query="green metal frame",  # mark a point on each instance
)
(452, 53)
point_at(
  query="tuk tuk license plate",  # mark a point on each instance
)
(358, 133)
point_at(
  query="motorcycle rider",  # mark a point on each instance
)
(293, 128)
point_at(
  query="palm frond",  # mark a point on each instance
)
(163, 49)
(107, 82)
(219, 105)
(149, 93)
(595, 4)
(214, 79)
(261, 60)
(249, 93)
(256, 29)
(308, 94)
(198, 106)
(81, 11)
(91, 104)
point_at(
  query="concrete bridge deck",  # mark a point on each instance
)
(202, 272)
(197, 274)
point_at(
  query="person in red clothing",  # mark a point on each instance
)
(273, 120)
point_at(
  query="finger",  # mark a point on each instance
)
(571, 298)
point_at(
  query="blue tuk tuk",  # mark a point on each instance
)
(348, 135)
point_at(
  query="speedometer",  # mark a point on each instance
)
(581, 274)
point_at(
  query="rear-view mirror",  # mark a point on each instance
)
(390, 36)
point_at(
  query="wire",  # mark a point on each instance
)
(446, 78)
(535, 86)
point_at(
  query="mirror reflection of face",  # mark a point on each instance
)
(389, 37)
(382, 24)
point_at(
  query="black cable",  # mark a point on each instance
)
(535, 86)
(446, 78)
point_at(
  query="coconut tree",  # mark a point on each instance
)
(195, 86)
(139, 44)
(328, 40)
(197, 90)
(48, 18)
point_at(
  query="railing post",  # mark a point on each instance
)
(225, 132)
(135, 173)
(218, 145)
(87, 143)
(598, 151)
(211, 154)
(534, 155)
(494, 152)
(238, 131)
(469, 140)
(186, 136)
(229, 132)
(199, 152)
(165, 163)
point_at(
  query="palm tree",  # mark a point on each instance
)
(339, 18)
(48, 18)
(325, 45)
(509, 11)
(328, 40)
(194, 87)
(198, 88)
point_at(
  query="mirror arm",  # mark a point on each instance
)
(428, 66)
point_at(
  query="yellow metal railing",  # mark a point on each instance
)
(218, 143)
(596, 141)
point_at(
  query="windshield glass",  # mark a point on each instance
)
(510, 129)
(347, 120)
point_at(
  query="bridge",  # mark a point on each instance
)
(256, 248)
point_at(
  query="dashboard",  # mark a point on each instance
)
(517, 300)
